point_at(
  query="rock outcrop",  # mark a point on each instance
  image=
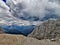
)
(1, 31)
(47, 30)
(8, 39)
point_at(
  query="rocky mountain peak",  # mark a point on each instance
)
(47, 30)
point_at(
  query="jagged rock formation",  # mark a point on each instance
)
(7, 39)
(47, 30)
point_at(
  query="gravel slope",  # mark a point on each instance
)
(8, 39)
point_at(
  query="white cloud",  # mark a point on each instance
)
(35, 7)
(3, 5)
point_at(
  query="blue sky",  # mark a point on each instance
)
(4, 0)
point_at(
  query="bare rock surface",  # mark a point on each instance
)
(47, 30)
(1, 31)
(8, 39)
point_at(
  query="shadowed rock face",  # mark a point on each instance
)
(1, 31)
(47, 30)
(6, 39)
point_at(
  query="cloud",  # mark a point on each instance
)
(3, 5)
(38, 8)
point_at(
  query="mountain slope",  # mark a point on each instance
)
(48, 30)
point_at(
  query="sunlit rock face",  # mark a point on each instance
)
(47, 30)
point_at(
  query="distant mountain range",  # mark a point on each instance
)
(50, 16)
(14, 29)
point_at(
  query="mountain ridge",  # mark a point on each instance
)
(47, 30)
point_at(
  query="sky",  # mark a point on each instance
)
(30, 8)
(4, 0)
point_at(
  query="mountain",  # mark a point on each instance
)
(48, 30)
(47, 17)
(15, 29)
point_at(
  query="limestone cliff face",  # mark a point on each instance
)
(47, 30)
(8, 39)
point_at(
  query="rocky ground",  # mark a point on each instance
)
(8, 39)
